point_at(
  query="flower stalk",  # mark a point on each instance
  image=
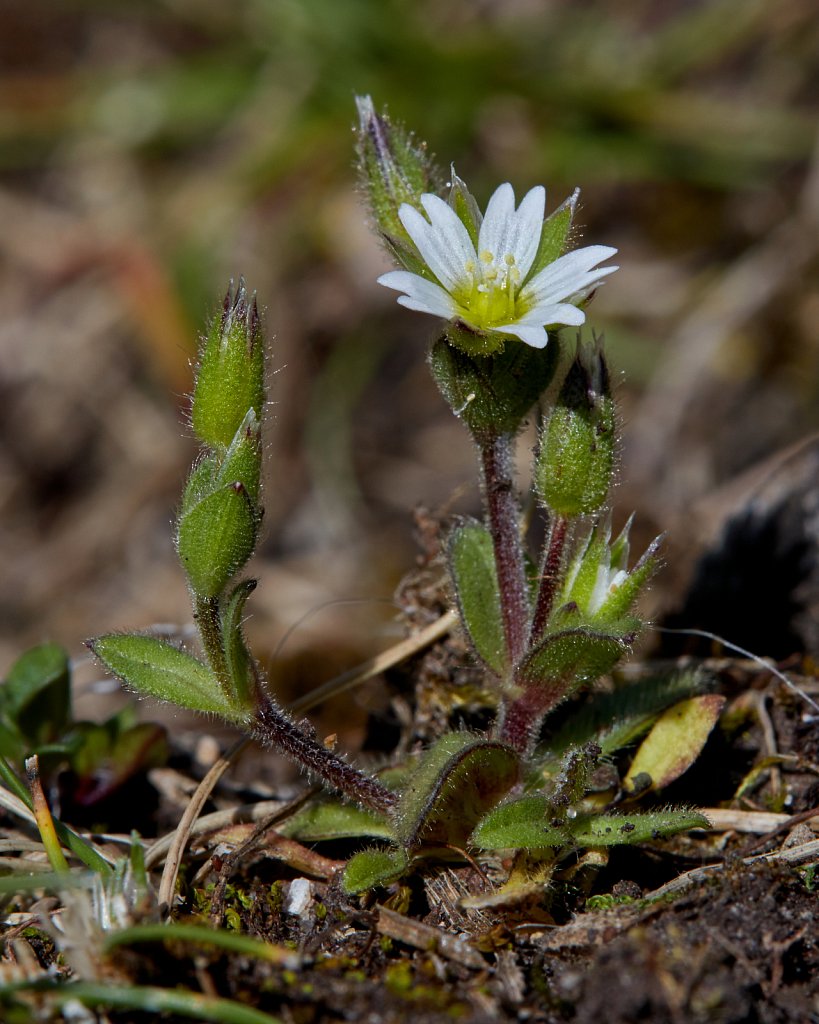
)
(503, 518)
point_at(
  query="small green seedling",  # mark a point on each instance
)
(94, 760)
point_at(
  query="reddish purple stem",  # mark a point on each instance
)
(550, 574)
(504, 526)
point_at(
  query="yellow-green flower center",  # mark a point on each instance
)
(488, 295)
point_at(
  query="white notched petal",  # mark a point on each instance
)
(554, 313)
(499, 211)
(532, 334)
(420, 294)
(443, 241)
(569, 274)
(506, 231)
(529, 227)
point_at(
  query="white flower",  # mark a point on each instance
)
(489, 289)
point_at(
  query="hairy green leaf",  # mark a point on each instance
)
(370, 868)
(158, 669)
(458, 778)
(613, 720)
(472, 564)
(527, 823)
(333, 820)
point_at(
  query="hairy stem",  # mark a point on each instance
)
(504, 526)
(550, 574)
(273, 728)
(519, 721)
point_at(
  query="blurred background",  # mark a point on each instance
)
(152, 150)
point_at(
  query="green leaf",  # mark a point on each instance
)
(332, 820)
(472, 564)
(459, 777)
(370, 868)
(613, 720)
(158, 669)
(216, 537)
(199, 483)
(570, 658)
(393, 168)
(36, 694)
(526, 823)
(675, 741)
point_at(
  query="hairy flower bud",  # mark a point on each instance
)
(230, 378)
(575, 463)
(393, 169)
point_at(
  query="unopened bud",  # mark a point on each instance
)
(575, 463)
(230, 378)
(393, 169)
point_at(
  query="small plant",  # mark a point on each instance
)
(503, 283)
(89, 762)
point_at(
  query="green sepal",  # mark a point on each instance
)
(36, 694)
(554, 235)
(329, 819)
(598, 582)
(575, 460)
(526, 823)
(465, 206)
(675, 742)
(200, 482)
(622, 598)
(492, 393)
(230, 377)
(583, 573)
(458, 778)
(243, 459)
(475, 578)
(237, 657)
(158, 669)
(371, 868)
(216, 537)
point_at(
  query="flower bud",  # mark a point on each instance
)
(575, 463)
(599, 584)
(393, 169)
(230, 378)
